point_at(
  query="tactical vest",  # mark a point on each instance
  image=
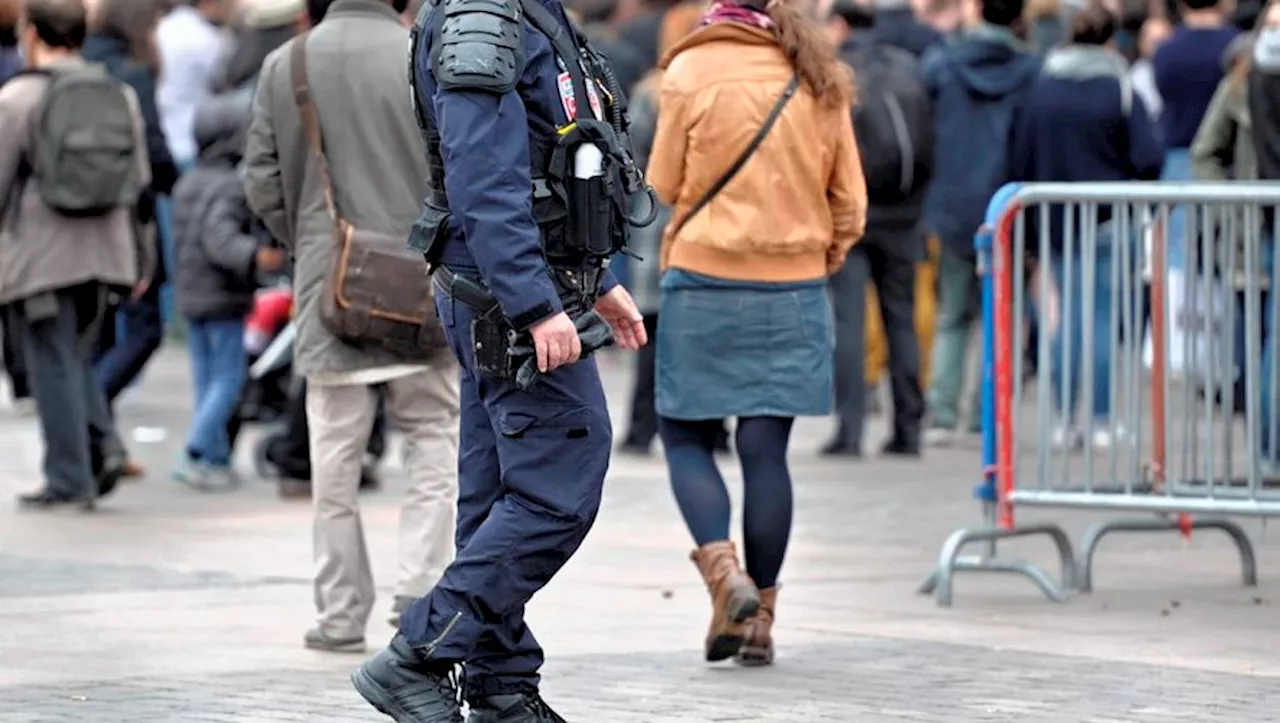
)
(583, 221)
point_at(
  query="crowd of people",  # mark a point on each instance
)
(819, 169)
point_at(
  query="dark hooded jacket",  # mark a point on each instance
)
(114, 53)
(976, 84)
(211, 219)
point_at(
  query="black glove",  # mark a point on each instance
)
(593, 331)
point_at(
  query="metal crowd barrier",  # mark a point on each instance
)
(1089, 264)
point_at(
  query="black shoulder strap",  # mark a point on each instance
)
(746, 154)
(415, 39)
(565, 46)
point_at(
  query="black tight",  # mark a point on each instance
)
(761, 444)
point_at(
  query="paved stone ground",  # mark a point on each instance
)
(172, 606)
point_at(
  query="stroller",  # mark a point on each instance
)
(268, 349)
(274, 395)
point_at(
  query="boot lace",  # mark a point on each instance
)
(457, 680)
(538, 707)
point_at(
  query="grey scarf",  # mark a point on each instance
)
(1082, 62)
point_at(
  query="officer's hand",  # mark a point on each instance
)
(619, 309)
(556, 342)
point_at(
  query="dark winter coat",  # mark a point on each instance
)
(895, 70)
(211, 220)
(114, 53)
(976, 82)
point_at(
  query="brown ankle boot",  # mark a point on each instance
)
(757, 648)
(733, 598)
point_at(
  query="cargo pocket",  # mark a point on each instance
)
(573, 423)
(555, 458)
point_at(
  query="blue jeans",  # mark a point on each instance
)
(139, 332)
(1177, 167)
(218, 370)
(1068, 371)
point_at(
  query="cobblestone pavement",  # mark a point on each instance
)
(167, 605)
(856, 679)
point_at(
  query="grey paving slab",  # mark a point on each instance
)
(38, 577)
(854, 679)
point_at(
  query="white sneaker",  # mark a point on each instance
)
(1108, 437)
(939, 437)
(1064, 437)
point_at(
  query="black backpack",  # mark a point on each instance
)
(86, 153)
(893, 123)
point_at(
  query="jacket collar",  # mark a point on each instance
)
(719, 32)
(364, 8)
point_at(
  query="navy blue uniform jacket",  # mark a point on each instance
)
(485, 140)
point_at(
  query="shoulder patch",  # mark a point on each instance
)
(480, 45)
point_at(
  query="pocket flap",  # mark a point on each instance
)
(514, 424)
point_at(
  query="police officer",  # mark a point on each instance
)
(531, 186)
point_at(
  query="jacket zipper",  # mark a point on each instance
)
(904, 143)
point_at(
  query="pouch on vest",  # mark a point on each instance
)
(589, 163)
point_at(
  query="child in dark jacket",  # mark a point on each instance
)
(218, 261)
(1084, 123)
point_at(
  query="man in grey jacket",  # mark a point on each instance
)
(56, 271)
(379, 177)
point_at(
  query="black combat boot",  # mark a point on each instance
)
(519, 708)
(401, 685)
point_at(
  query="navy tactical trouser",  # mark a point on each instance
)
(530, 475)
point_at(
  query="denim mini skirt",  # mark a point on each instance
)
(743, 349)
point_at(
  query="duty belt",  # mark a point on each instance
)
(464, 289)
(575, 286)
(593, 331)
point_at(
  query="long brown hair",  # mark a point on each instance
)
(811, 54)
(10, 12)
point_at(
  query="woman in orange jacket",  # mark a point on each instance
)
(755, 153)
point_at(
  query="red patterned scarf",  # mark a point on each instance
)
(734, 12)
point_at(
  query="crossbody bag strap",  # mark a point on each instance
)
(311, 120)
(745, 156)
